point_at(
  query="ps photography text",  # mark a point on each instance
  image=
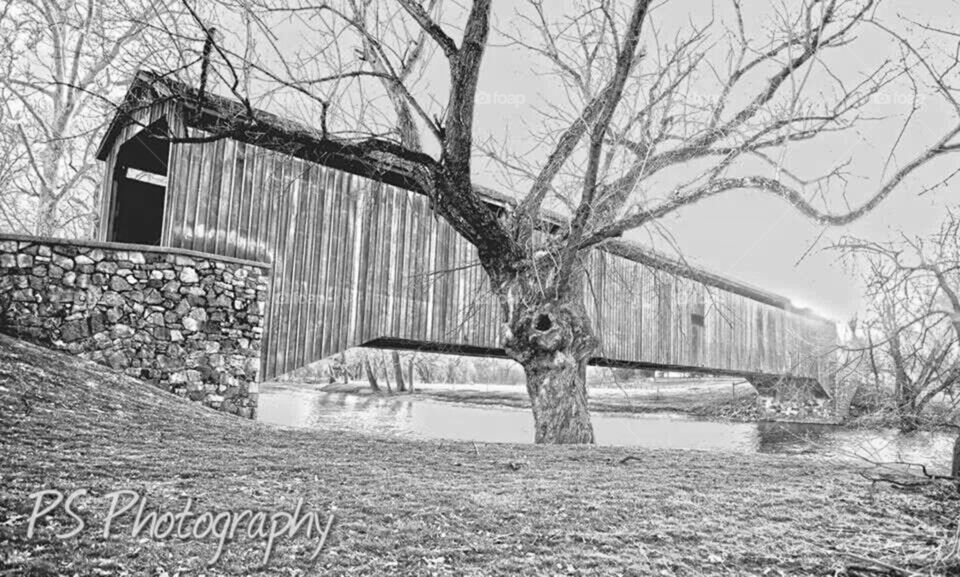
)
(184, 524)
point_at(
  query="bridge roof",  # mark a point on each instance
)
(231, 118)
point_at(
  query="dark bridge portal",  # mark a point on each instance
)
(364, 261)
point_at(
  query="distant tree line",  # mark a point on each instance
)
(63, 66)
(389, 368)
(392, 370)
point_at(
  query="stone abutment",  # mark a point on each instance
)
(189, 322)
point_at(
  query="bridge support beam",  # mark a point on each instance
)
(793, 399)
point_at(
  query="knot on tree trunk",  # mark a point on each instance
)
(551, 333)
(547, 334)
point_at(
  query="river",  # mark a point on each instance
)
(300, 405)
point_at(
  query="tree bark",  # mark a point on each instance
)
(398, 371)
(46, 213)
(907, 410)
(548, 332)
(372, 378)
(410, 375)
(386, 373)
(345, 370)
(558, 395)
(426, 373)
(955, 466)
(904, 391)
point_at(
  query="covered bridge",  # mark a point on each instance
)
(359, 259)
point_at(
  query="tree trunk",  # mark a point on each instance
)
(907, 411)
(410, 375)
(549, 334)
(345, 370)
(558, 395)
(426, 375)
(397, 371)
(904, 389)
(46, 213)
(381, 368)
(955, 467)
(372, 378)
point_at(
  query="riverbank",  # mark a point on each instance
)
(426, 508)
(714, 399)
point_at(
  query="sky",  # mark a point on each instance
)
(750, 236)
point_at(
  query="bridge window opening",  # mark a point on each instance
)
(140, 186)
(543, 323)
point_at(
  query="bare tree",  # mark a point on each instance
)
(382, 364)
(410, 379)
(62, 63)
(630, 140)
(912, 331)
(12, 162)
(371, 374)
(398, 371)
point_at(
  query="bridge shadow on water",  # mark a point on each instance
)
(417, 418)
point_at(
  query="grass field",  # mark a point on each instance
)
(426, 508)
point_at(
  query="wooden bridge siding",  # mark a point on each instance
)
(738, 333)
(353, 261)
(662, 328)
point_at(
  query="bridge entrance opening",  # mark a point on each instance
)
(140, 184)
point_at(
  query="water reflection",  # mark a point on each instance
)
(301, 406)
(791, 437)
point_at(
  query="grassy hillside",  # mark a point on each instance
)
(424, 508)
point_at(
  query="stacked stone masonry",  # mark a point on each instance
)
(188, 322)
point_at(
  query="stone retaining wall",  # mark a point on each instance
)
(189, 322)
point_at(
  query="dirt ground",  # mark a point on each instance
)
(423, 508)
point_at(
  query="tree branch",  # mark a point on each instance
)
(415, 10)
